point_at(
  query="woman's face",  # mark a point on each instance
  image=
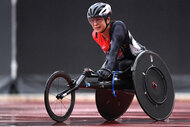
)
(98, 24)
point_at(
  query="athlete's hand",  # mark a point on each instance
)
(104, 73)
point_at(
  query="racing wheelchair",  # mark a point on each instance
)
(149, 79)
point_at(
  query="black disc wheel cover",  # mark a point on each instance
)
(153, 85)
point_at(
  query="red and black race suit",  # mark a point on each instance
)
(120, 46)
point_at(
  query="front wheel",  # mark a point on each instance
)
(59, 108)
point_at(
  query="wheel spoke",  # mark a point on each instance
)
(67, 98)
(63, 105)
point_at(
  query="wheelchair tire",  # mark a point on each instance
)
(58, 109)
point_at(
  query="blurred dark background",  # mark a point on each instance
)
(55, 35)
(5, 45)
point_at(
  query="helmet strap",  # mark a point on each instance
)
(107, 24)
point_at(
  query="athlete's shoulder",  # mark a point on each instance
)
(94, 35)
(119, 25)
(118, 22)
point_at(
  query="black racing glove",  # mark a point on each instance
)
(104, 73)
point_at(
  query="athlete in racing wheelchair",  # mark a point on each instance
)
(114, 39)
(129, 70)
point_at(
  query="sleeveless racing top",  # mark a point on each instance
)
(121, 44)
(103, 43)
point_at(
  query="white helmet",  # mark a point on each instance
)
(99, 10)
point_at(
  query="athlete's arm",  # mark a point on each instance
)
(118, 36)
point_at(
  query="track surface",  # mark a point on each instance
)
(29, 111)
